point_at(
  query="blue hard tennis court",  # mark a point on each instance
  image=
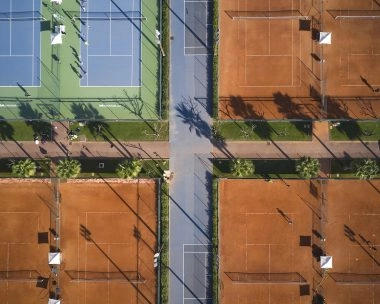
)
(111, 43)
(20, 42)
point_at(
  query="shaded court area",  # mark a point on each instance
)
(25, 221)
(265, 60)
(266, 240)
(109, 237)
(352, 239)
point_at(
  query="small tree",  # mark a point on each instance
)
(242, 167)
(24, 168)
(68, 168)
(129, 168)
(308, 167)
(366, 168)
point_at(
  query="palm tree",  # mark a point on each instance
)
(366, 168)
(68, 168)
(242, 167)
(129, 168)
(24, 168)
(308, 167)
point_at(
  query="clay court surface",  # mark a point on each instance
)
(24, 212)
(353, 213)
(271, 69)
(256, 238)
(121, 219)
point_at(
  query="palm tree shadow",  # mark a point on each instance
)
(187, 110)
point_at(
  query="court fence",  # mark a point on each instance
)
(127, 15)
(126, 276)
(354, 14)
(19, 275)
(355, 278)
(21, 16)
(266, 278)
(285, 14)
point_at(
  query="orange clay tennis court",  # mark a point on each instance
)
(275, 68)
(24, 213)
(352, 67)
(108, 239)
(266, 228)
(338, 216)
(353, 240)
(265, 64)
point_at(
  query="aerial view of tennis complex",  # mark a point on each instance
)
(189, 151)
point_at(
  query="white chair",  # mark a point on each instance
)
(56, 1)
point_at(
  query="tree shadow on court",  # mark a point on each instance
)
(337, 108)
(87, 235)
(367, 248)
(187, 110)
(6, 130)
(242, 109)
(293, 110)
(27, 112)
(135, 106)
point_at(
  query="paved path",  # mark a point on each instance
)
(190, 206)
(319, 147)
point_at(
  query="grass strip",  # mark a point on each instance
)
(269, 168)
(43, 167)
(152, 168)
(343, 169)
(355, 130)
(165, 42)
(265, 130)
(164, 257)
(215, 242)
(121, 131)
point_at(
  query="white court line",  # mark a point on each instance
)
(194, 47)
(26, 55)
(19, 243)
(133, 27)
(373, 54)
(110, 86)
(270, 86)
(270, 55)
(107, 212)
(368, 214)
(357, 85)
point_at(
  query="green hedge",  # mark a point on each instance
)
(164, 280)
(165, 41)
(215, 242)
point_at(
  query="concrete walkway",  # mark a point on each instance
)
(190, 150)
(319, 147)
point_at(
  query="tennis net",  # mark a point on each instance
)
(127, 15)
(246, 15)
(268, 278)
(354, 14)
(127, 276)
(355, 278)
(21, 16)
(19, 275)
